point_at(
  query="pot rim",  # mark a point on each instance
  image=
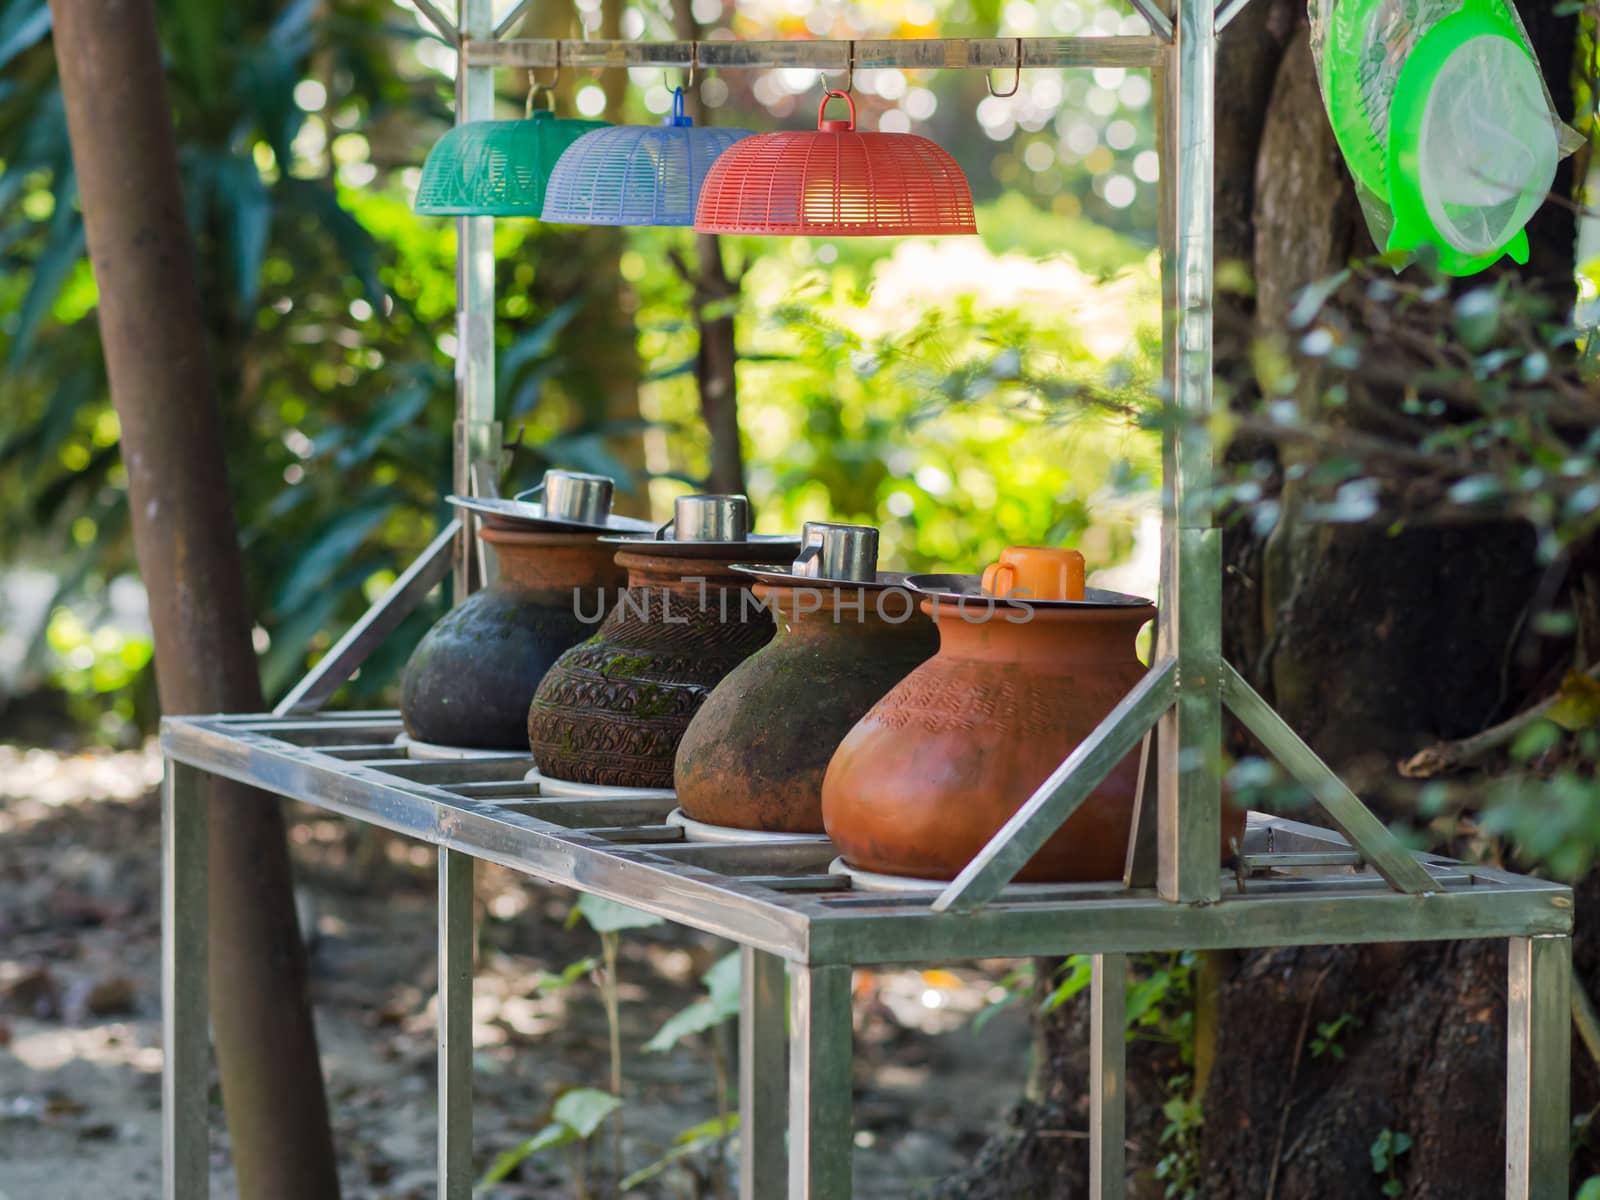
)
(497, 535)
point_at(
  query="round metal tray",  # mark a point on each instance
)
(530, 515)
(669, 546)
(970, 587)
(884, 581)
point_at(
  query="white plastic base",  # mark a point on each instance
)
(549, 786)
(701, 831)
(434, 751)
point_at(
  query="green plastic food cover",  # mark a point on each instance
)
(1444, 118)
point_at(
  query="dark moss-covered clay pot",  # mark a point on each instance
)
(470, 678)
(613, 709)
(938, 765)
(755, 754)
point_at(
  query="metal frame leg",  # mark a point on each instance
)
(1108, 1092)
(762, 1084)
(455, 1025)
(820, 1141)
(185, 1011)
(1538, 1067)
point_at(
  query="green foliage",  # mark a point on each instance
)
(720, 1004)
(1398, 401)
(959, 425)
(97, 666)
(1013, 984)
(1328, 1039)
(1552, 819)
(568, 975)
(609, 916)
(1178, 1168)
(1590, 1189)
(1012, 223)
(1386, 1150)
(706, 1135)
(576, 1116)
(1076, 974)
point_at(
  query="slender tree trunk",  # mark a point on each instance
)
(1371, 644)
(716, 297)
(601, 343)
(164, 393)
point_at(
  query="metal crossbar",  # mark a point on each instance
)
(1155, 16)
(445, 26)
(1366, 833)
(929, 54)
(397, 603)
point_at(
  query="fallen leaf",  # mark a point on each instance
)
(1577, 704)
(33, 992)
(111, 996)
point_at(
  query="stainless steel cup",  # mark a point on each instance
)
(709, 518)
(575, 496)
(833, 551)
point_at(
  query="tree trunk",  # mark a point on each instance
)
(164, 394)
(1371, 645)
(601, 344)
(715, 300)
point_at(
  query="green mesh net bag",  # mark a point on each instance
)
(1442, 114)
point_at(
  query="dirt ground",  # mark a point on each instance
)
(80, 1055)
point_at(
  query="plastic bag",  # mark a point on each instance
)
(1445, 120)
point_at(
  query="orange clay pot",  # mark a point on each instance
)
(937, 766)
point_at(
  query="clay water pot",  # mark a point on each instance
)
(470, 678)
(937, 766)
(613, 709)
(755, 754)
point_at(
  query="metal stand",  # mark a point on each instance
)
(1296, 885)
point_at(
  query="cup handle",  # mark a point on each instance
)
(809, 562)
(535, 490)
(661, 532)
(994, 574)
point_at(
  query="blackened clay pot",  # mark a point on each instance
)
(613, 709)
(755, 753)
(937, 766)
(470, 678)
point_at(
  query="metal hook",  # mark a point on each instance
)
(534, 89)
(549, 89)
(694, 61)
(988, 78)
(850, 74)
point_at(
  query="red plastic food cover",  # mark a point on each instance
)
(835, 182)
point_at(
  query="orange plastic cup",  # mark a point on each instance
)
(1036, 573)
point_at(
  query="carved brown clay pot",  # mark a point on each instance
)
(470, 678)
(938, 765)
(755, 754)
(613, 709)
